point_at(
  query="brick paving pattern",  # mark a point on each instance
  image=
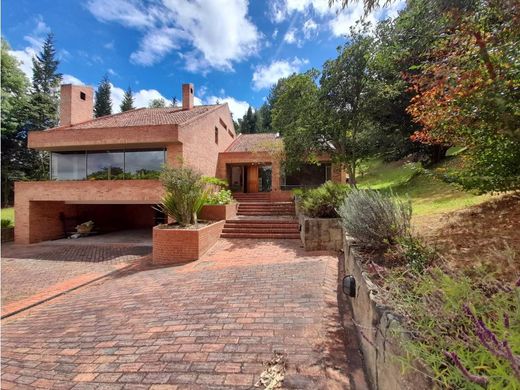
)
(209, 324)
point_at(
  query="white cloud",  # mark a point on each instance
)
(35, 40)
(109, 45)
(338, 20)
(275, 33)
(309, 28)
(70, 79)
(267, 75)
(141, 97)
(217, 33)
(24, 57)
(290, 36)
(237, 107)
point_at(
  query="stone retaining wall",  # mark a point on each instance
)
(379, 331)
(321, 233)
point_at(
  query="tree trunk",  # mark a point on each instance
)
(351, 171)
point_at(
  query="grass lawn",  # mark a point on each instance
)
(429, 195)
(8, 213)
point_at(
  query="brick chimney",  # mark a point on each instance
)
(76, 104)
(187, 96)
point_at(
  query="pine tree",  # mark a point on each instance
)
(42, 110)
(128, 101)
(44, 101)
(249, 125)
(103, 105)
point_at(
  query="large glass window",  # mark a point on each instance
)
(69, 166)
(107, 165)
(308, 175)
(143, 164)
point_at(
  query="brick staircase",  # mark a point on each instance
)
(252, 197)
(260, 218)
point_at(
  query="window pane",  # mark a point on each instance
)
(68, 166)
(308, 175)
(105, 165)
(143, 164)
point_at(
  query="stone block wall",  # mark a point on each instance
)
(321, 233)
(380, 333)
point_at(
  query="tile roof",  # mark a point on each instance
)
(145, 117)
(253, 142)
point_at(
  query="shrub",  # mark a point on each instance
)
(465, 330)
(185, 194)
(322, 202)
(416, 254)
(6, 223)
(374, 219)
(220, 197)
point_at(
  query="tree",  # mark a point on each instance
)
(157, 103)
(249, 124)
(295, 115)
(14, 97)
(103, 104)
(128, 101)
(467, 94)
(42, 110)
(44, 101)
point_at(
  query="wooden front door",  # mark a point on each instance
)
(252, 178)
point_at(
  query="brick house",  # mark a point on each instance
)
(105, 169)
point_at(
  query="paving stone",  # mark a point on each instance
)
(210, 324)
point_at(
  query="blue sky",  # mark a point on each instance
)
(232, 50)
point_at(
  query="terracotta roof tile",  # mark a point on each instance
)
(252, 142)
(145, 117)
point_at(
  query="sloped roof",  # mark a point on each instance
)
(253, 142)
(146, 117)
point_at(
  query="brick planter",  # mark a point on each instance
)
(8, 234)
(173, 246)
(321, 233)
(219, 212)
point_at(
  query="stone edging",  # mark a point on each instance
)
(380, 332)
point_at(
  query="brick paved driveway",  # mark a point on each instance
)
(205, 325)
(31, 269)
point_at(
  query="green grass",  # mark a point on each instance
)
(8, 213)
(429, 195)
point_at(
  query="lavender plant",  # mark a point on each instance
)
(471, 346)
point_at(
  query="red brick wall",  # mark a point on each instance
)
(105, 138)
(171, 246)
(199, 149)
(72, 108)
(53, 194)
(218, 212)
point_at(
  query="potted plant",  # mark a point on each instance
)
(186, 237)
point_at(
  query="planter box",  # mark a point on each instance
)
(8, 234)
(219, 212)
(321, 233)
(173, 246)
(380, 331)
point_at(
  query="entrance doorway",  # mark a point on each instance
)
(250, 178)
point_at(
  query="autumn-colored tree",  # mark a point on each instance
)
(468, 93)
